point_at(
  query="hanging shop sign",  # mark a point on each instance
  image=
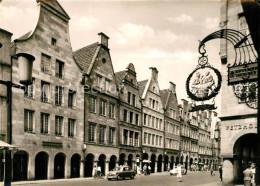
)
(203, 84)
(242, 73)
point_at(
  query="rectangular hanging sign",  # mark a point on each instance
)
(242, 73)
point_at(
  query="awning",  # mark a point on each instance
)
(4, 145)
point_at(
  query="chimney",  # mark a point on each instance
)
(154, 73)
(103, 39)
(172, 87)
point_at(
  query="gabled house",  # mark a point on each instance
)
(101, 106)
(130, 117)
(152, 122)
(47, 122)
(171, 126)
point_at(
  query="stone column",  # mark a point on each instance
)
(106, 168)
(228, 174)
(162, 167)
(155, 166)
(67, 168)
(50, 168)
(31, 168)
(81, 173)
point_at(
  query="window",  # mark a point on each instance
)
(145, 137)
(149, 139)
(102, 107)
(102, 130)
(145, 118)
(59, 71)
(133, 99)
(131, 138)
(92, 132)
(157, 139)
(112, 110)
(111, 135)
(136, 119)
(92, 105)
(131, 117)
(107, 84)
(28, 120)
(45, 123)
(157, 122)
(58, 125)
(129, 97)
(71, 128)
(58, 95)
(125, 115)
(45, 92)
(153, 104)
(72, 99)
(125, 137)
(136, 139)
(153, 118)
(30, 90)
(153, 136)
(99, 81)
(149, 120)
(46, 64)
(53, 42)
(160, 141)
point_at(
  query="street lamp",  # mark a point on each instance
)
(25, 62)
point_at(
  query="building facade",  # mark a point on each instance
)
(47, 122)
(238, 121)
(171, 127)
(101, 104)
(153, 122)
(130, 123)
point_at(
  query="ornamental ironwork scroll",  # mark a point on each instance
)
(242, 74)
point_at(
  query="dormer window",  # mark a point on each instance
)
(53, 42)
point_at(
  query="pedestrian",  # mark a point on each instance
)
(211, 170)
(247, 176)
(220, 172)
(145, 170)
(99, 172)
(179, 172)
(149, 170)
(94, 172)
(252, 168)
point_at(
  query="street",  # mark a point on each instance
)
(193, 178)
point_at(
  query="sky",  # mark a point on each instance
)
(148, 33)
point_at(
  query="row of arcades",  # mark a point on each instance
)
(44, 166)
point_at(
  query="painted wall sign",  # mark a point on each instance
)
(241, 126)
(52, 144)
(242, 73)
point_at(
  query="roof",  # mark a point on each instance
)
(142, 85)
(120, 76)
(56, 6)
(85, 55)
(164, 96)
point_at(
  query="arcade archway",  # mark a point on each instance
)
(20, 166)
(75, 166)
(245, 152)
(153, 160)
(59, 166)
(159, 163)
(41, 166)
(112, 162)
(88, 166)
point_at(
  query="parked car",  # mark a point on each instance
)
(121, 172)
(174, 171)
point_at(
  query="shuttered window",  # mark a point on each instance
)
(58, 126)
(102, 107)
(102, 134)
(28, 120)
(71, 128)
(46, 64)
(92, 105)
(111, 135)
(58, 95)
(92, 131)
(112, 110)
(45, 123)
